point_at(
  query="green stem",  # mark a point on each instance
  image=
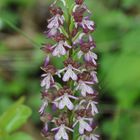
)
(70, 83)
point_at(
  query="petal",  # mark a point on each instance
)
(68, 103)
(81, 128)
(43, 82)
(67, 76)
(46, 82)
(73, 75)
(55, 52)
(73, 97)
(54, 129)
(88, 89)
(61, 104)
(94, 109)
(86, 126)
(62, 51)
(58, 135)
(87, 57)
(64, 135)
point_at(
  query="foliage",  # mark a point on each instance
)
(12, 119)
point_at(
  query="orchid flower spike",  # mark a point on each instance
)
(69, 78)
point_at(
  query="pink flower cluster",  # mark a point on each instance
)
(73, 100)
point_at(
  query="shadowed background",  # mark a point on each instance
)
(22, 23)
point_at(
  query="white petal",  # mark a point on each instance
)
(73, 97)
(73, 75)
(46, 82)
(65, 135)
(85, 89)
(55, 52)
(67, 75)
(94, 109)
(44, 75)
(87, 57)
(81, 128)
(62, 51)
(43, 82)
(68, 103)
(84, 125)
(53, 22)
(58, 135)
(88, 89)
(62, 104)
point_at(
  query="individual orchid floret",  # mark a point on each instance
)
(84, 84)
(59, 49)
(80, 106)
(61, 132)
(48, 79)
(85, 88)
(71, 68)
(51, 32)
(78, 14)
(45, 129)
(80, 4)
(64, 100)
(83, 125)
(86, 50)
(87, 24)
(43, 107)
(46, 118)
(57, 19)
(46, 98)
(92, 104)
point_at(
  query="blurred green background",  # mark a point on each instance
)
(117, 36)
